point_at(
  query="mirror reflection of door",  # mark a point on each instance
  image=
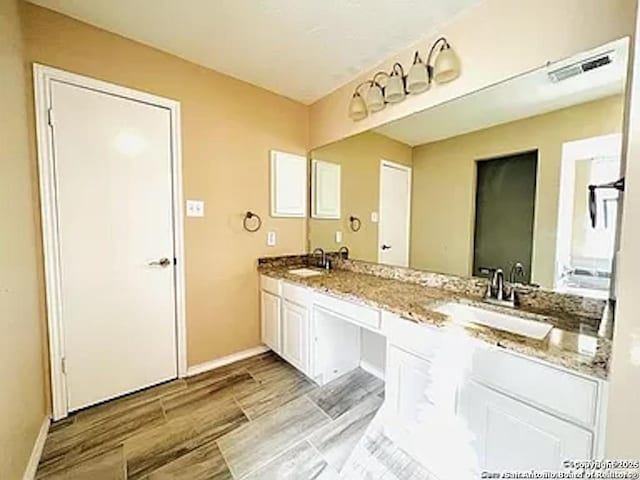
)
(395, 210)
(505, 207)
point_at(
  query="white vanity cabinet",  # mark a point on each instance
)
(321, 335)
(285, 321)
(515, 413)
(449, 398)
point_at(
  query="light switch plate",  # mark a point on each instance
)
(338, 237)
(271, 239)
(195, 208)
(374, 217)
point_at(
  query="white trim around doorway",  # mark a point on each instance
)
(43, 77)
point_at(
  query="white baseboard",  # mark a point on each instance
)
(36, 453)
(373, 370)
(220, 362)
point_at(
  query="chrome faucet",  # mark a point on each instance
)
(323, 257)
(497, 292)
(496, 289)
(497, 284)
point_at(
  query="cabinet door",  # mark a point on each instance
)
(510, 435)
(270, 317)
(295, 335)
(325, 190)
(412, 388)
(288, 185)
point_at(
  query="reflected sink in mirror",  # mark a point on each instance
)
(462, 313)
(305, 272)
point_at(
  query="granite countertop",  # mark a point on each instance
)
(572, 343)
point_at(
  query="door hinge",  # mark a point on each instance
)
(63, 363)
(175, 261)
(50, 117)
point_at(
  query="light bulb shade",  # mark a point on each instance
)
(357, 107)
(375, 100)
(394, 91)
(417, 78)
(447, 66)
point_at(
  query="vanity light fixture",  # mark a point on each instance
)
(375, 95)
(357, 107)
(418, 79)
(446, 65)
(394, 91)
(442, 66)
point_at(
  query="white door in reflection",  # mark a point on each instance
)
(114, 202)
(395, 211)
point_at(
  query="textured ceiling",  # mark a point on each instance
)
(521, 97)
(303, 49)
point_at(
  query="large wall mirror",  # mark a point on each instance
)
(499, 178)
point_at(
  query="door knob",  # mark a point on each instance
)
(386, 247)
(163, 262)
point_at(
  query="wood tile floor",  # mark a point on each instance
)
(255, 419)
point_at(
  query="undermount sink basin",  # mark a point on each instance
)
(305, 272)
(500, 321)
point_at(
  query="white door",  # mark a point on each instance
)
(395, 211)
(511, 436)
(114, 201)
(295, 328)
(270, 315)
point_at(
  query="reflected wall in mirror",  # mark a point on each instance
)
(495, 179)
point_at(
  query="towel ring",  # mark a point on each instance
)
(247, 217)
(354, 223)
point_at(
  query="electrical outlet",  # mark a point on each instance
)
(195, 208)
(271, 239)
(338, 237)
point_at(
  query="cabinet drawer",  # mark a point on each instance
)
(271, 285)
(354, 312)
(295, 293)
(550, 388)
(423, 340)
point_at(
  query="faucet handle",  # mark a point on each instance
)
(490, 272)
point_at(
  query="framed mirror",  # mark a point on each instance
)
(500, 178)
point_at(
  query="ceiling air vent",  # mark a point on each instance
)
(581, 67)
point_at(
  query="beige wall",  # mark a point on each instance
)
(444, 173)
(22, 396)
(228, 127)
(495, 39)
(359, 157)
